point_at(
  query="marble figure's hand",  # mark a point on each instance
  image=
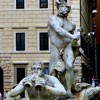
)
(76, 36)
(80, 29)
(39, 84)
(34, 77)
(27, 84)
(40, 80)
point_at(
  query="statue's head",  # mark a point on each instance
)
(62, 7)
(37, 68)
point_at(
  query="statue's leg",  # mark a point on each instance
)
(54, 56)
(14, 92)
(69, 75)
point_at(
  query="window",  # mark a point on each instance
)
(46, 68)
(43, 3)
(20, 74)
(19, 4)
(43, 41)
(20, 41)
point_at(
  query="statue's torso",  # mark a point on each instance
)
(58, 40)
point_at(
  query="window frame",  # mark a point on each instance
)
(38, 41)
(40, 4)
(15, 3)
(15, 41)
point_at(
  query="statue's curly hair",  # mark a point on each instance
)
(60, 2)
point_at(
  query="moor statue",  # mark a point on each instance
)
(38, 81)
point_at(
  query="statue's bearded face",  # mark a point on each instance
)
(37, 69)
(63, 10)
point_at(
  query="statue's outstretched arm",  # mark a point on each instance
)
(15, 92)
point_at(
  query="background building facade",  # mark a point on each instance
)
(24, 37)
(90, 38)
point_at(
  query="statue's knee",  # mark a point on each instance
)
(69, 66)
(8, 95)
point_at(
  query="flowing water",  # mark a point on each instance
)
(38, 95)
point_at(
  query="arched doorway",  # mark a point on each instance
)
(1, 81)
